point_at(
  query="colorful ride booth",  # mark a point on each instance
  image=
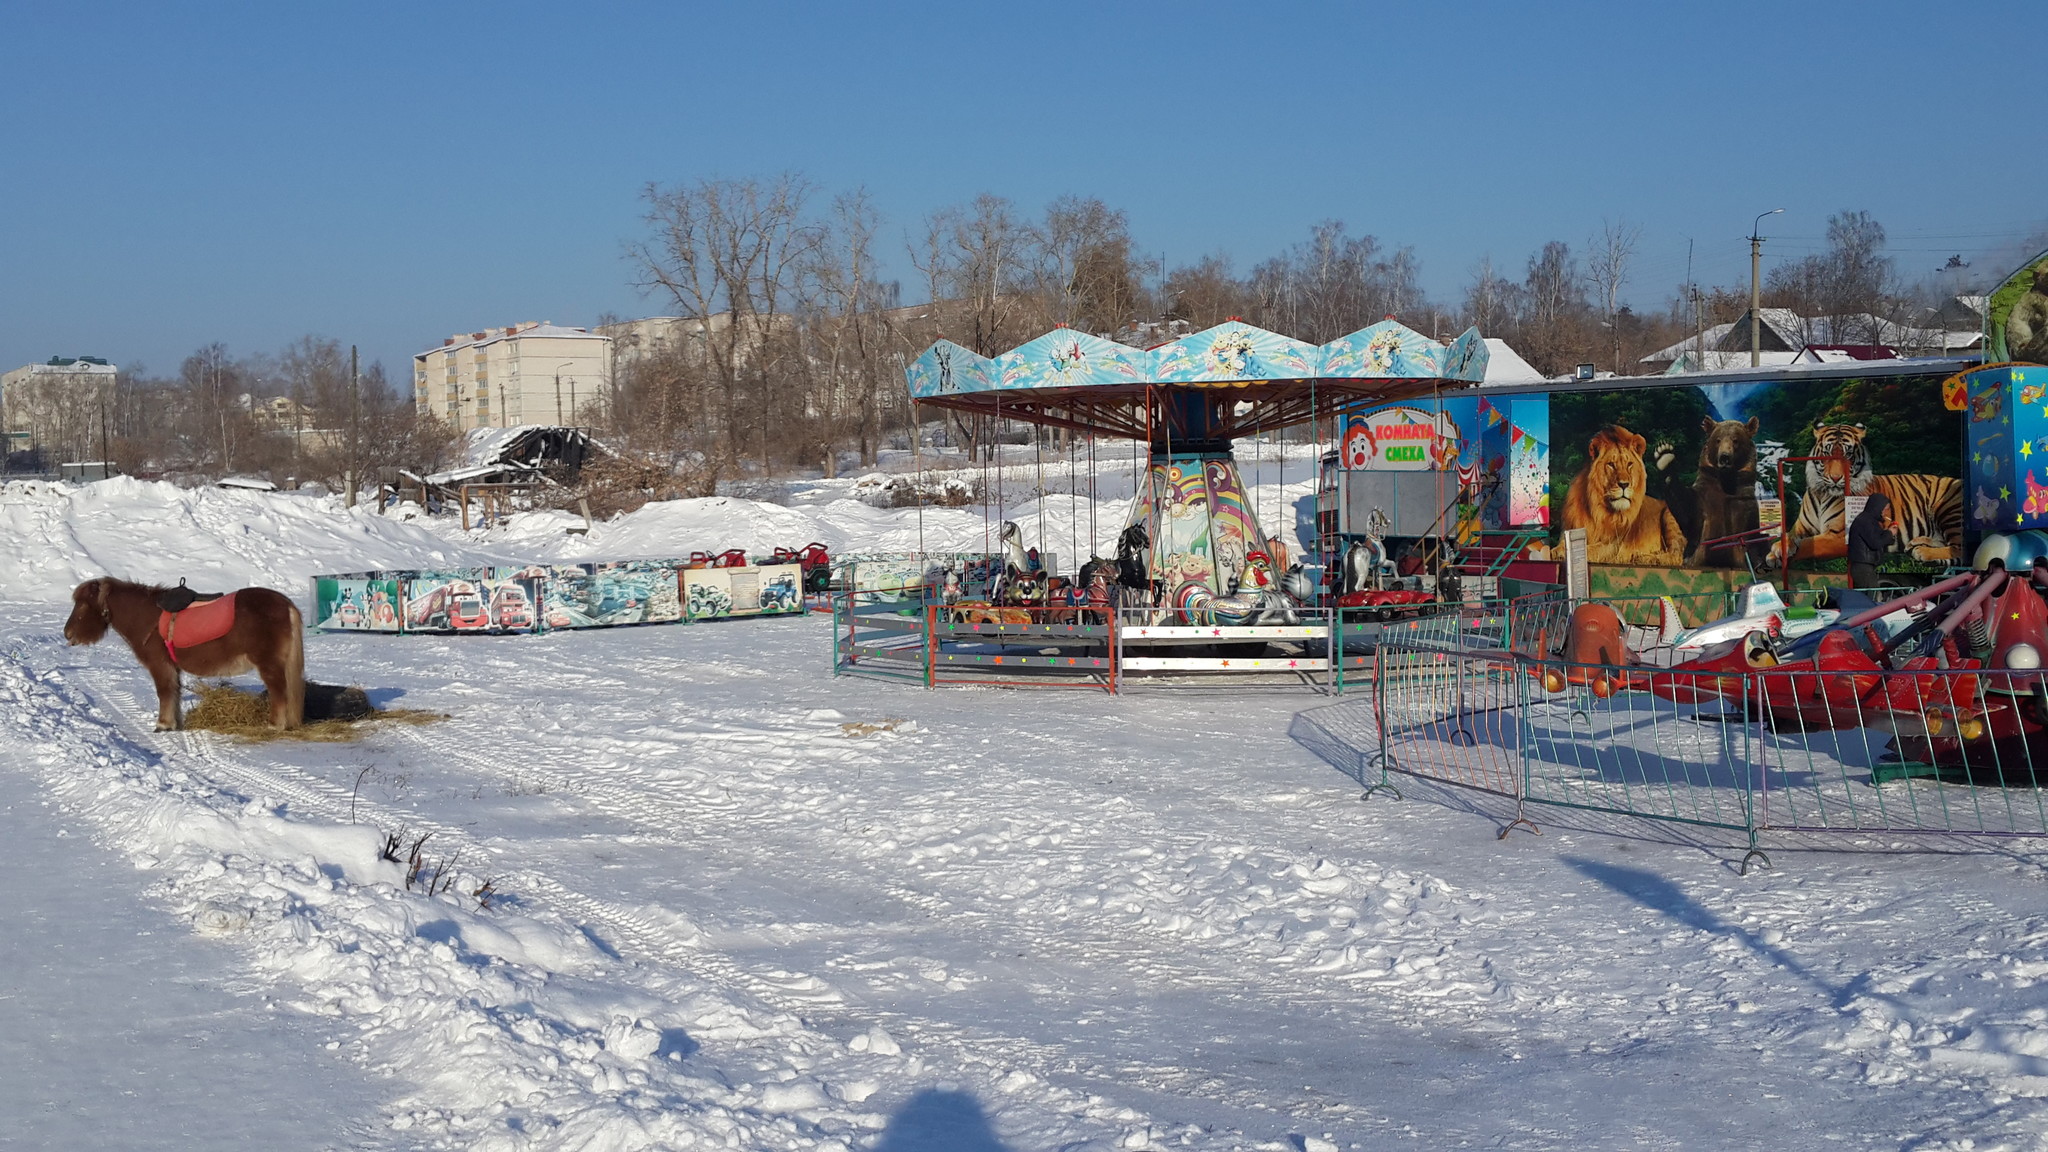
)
(1668, 678)
(1200, 590)
(1691, 486)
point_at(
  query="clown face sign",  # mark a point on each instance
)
(1401, 438)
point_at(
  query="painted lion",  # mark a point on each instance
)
(1624, 524)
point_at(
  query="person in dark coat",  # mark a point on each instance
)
(1870, 537)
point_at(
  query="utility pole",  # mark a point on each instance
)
(355, 412)
(1699, 333)
(1756, 258)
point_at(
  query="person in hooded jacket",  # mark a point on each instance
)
(1870, 537)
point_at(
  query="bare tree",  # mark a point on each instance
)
(986, 251)
(213, 422)
(730, 254)
(1492, 302)
(854, 323)
(1846, 293)
(1334, 284)
(1204, 294)
(1555, 305)
(1083, 267)
(1607, 270)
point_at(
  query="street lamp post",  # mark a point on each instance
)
(558, 392)
(1756, 252)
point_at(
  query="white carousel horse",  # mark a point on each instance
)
(1016, 566)
(1365, 562)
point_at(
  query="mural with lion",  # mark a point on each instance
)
(1624, 524)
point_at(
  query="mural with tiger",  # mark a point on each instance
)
(1928, 509)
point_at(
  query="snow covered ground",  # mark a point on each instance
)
(739, 903)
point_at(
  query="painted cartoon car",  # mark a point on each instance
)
(780, 595)
(510, 607)
(465, 608)
(348, 613)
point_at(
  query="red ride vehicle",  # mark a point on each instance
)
(1944, 706)
(1384, 605)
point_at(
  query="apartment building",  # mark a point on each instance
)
(57, 405)
(530, 373)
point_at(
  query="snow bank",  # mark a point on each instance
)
(215, 538)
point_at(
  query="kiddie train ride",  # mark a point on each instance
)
(1200, 585)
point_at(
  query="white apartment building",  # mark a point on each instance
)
(531, 373)
(57, 405)
(651, 336)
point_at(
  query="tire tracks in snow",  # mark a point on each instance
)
(1070, 938)
(635, 935)
(814, 999)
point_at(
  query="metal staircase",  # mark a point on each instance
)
(1480, 565)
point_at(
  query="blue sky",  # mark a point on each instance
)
(387, 174)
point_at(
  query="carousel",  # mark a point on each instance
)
(1194, 527)
(1200, 589)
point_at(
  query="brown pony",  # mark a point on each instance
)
(266, 636)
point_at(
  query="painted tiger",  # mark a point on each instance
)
(1818, 533)
(1928, 509)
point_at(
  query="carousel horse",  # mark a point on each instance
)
(1003, 589)
(173, 631)
(1098, 590)
(1133, 561)
(1365, 562)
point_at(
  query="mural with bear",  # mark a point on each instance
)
(1655, 473)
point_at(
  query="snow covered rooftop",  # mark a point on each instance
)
(546, 328)
(1505, 366)
(1793, 332)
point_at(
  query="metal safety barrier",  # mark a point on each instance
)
(879, 634)
(1047, 647)
(912, 637)
(1162, 648)
(1950, 751)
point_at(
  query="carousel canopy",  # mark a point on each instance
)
(1216, 383)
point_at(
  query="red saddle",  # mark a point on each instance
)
(205, 620)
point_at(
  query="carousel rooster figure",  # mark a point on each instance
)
(1255, 601)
